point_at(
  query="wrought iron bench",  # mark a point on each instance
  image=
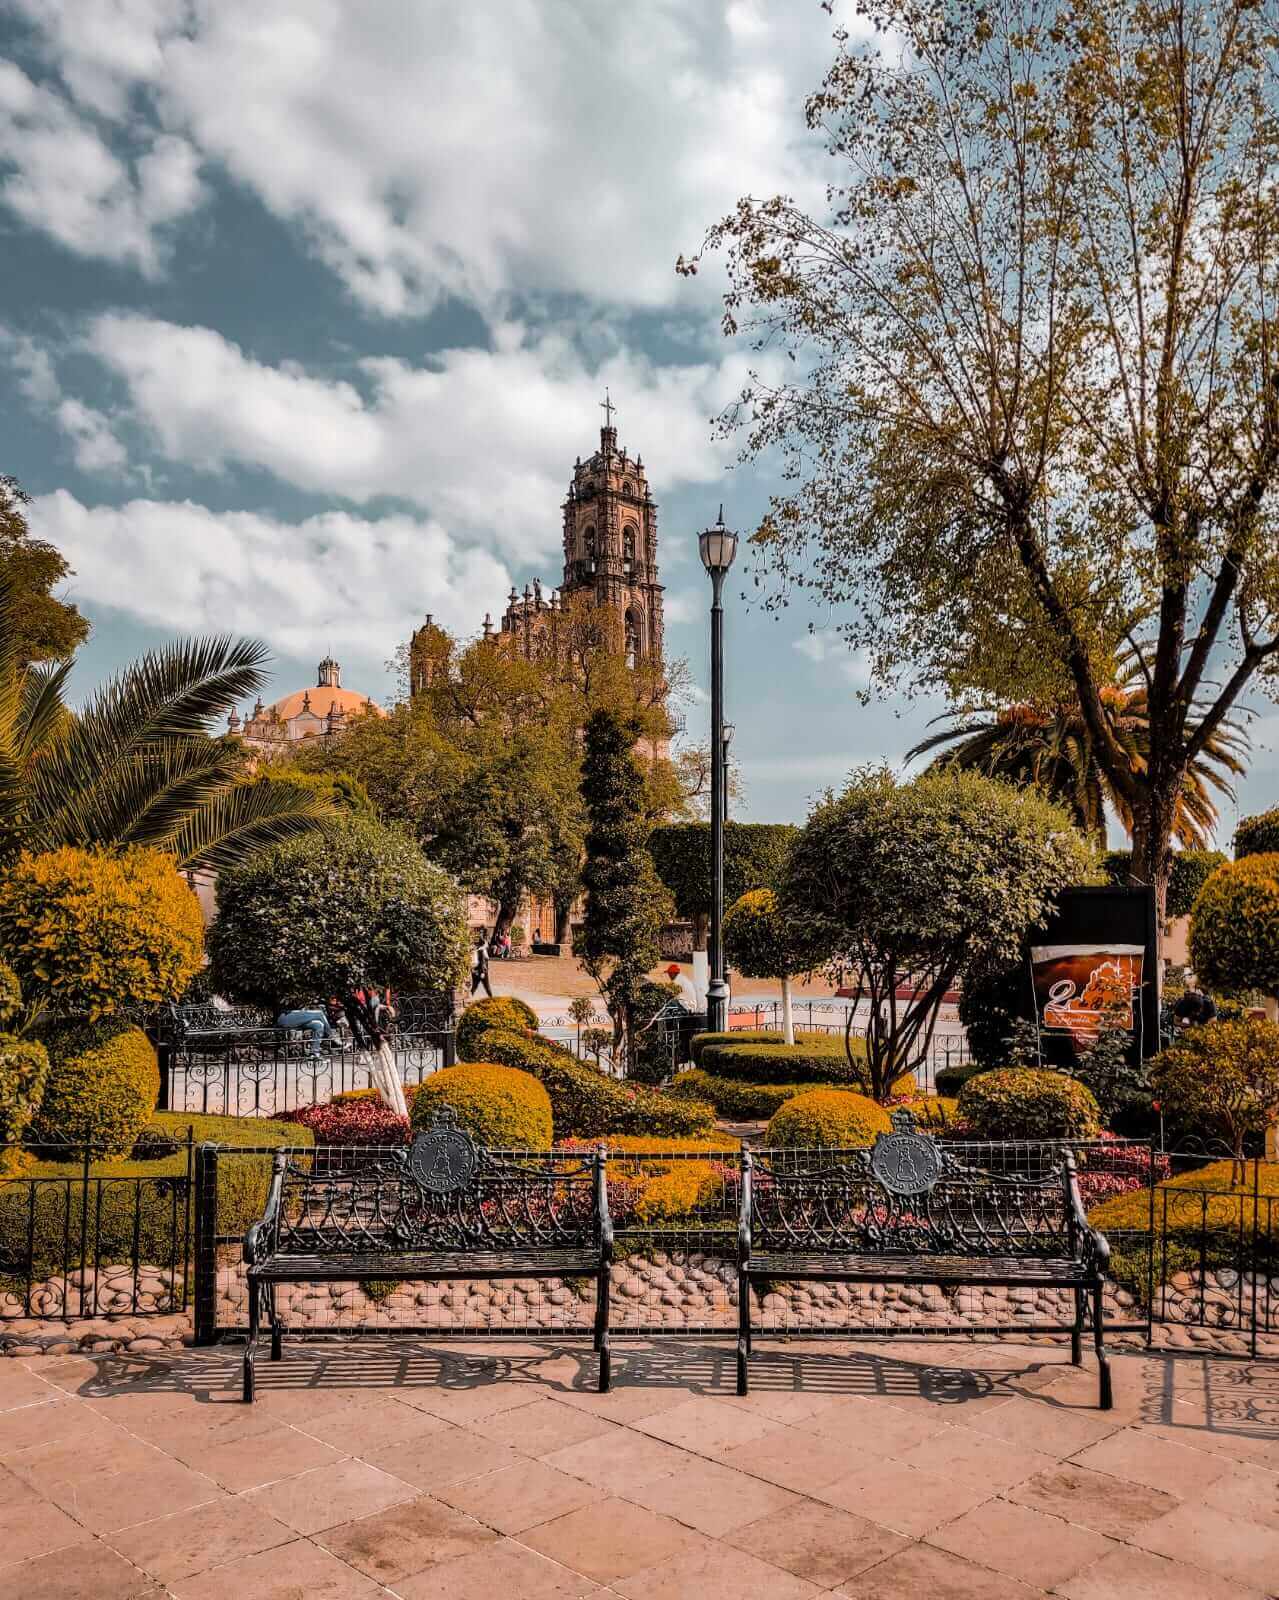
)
(442, 1208)
(911, 1210)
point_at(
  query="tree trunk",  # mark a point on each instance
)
(506, 910)
(1152, 852)
(788, 1015)
(563, 923)
(701, 930)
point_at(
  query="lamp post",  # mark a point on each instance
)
(729, 730)
(718, 546)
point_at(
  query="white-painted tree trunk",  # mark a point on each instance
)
(788, 1015)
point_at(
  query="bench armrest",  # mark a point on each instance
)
(257, 1240)
(744, 1217)
(601, 1204)
(1094, 1247)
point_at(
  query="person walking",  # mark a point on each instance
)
(480, 966)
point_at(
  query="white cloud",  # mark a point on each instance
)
(478, 437)
(476, 150)
(359, 585)
(93, 440)
(63, 177)
(685, 605)
(824, 648)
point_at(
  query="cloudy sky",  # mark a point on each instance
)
(310, 306)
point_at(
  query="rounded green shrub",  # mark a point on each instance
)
(1234, 926)
(832, 1118)
(795, 1063)
(739, 1036)
(500, 1107)
(103, 1083)
(1257, 835)
(1022, 1103)
(504, 1011)
(733, 1099)
(24, 1070)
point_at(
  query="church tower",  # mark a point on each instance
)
(610, 542)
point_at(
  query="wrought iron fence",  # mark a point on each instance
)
(78, 1239)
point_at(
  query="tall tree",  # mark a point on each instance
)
(45, 628)
(1035, 388)
(625, 903)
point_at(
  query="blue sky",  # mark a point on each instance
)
(309, 308)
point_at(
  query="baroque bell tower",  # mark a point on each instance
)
(610, 542)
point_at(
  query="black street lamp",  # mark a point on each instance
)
(718, 546)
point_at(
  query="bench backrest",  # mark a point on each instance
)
(442, 1194)
(909, 1194)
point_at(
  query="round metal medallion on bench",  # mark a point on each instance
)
(905, 1161)
(443, 1158)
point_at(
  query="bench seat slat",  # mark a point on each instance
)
(958, 1269)
(424, 1265)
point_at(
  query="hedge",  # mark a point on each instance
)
(836, 1118)
(1021, 1103)
(797, 1063)
(738, 1036)
(243, 1182)
(103, 1083)
(650, 1181)
(503, 1108)
(586, 1101)
(734, 1100)
(502, 1011)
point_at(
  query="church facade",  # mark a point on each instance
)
(610, 562)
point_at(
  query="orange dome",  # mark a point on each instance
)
(322, 697)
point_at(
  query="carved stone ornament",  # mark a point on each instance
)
(905, 1161)
(443, 1158)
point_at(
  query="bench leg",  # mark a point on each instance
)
(1106, 1399)
(277, 1331)
(1077, 1333)
(601, 1329)
(251, 1348)
(743, 1330)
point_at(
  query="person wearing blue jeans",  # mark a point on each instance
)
(316, 1023)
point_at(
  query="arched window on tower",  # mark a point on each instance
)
(634, 637)
(628, 550)
(588, 549)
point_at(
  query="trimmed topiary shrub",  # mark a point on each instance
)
(500, 1107)
(837, 1118)
(1022, 1103)
(826, 1063)
(1234, 927)
(736, 1036)
(1259, 835)
(24, 1070)
(733, 1099)
(322, 915)
(504, 1011)
(102, 1086)
(93, 932)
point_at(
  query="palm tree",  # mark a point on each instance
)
(1048, 748)
(139, 764)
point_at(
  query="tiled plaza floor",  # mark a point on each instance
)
(418, 1470)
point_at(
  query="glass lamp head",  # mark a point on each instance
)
(718, 546)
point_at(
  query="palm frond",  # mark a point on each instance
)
(248, 817)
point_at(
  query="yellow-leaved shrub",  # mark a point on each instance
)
(95, 931)
(838, 1118)
(103, 1083)
(500, 1107)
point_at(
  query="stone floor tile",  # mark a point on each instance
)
(355, 1430)
(1095, 1500)
(264, 1457)
(619, 1461)
(1059, 1431)
(817, 1542)
(965, 1453)
(406, 1539)
(27, 1426)
(325, 1496)
(905, 1499)
(543, 1426)
(106, 1501)
(716, 1569)
(76, 1456)
(1248, 1492)
(446, 1455)
(79, 1572)
(19, 1387)
(297, 1571)
(623, 1402)
(705, 1425)
(187, 1542)
(469, 1405)
(796, 1460)
(1242, 1551)
(922, 1572)
(1128, 1574)
(32, 1529)
(1173, 1468)
(612, 1539)
(1021, 1543)
(65, 1372)
(712, 1498)
(873, 1427)
(519, 1497)
(506, 1571)
(781, 1404)
(1190, 1426)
